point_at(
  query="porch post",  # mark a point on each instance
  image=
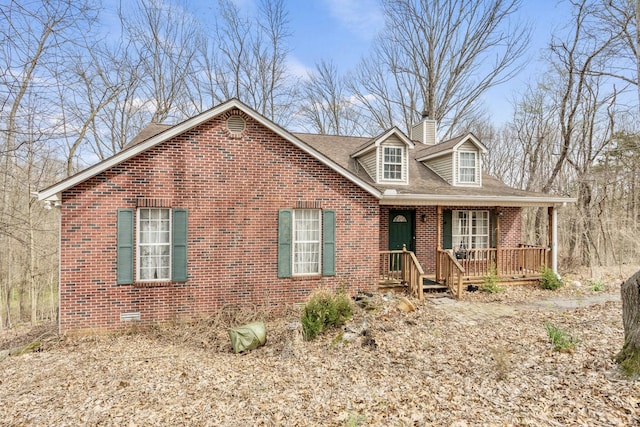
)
(497, 216)
(553, 237)
(438, 240)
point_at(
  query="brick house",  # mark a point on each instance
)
(227, 209)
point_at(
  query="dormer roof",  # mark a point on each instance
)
(448, 147)
(375, 142)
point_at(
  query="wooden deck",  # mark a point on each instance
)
(401, 269)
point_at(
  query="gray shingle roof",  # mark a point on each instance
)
(149, 131)
(422, 180)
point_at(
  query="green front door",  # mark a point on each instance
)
(401, 229)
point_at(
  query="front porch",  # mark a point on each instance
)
(454, 270)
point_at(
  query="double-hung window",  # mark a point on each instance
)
(470, 230)
(306, 242)
(392, 163)
(151, 245)
(467, 167)
(154, 244)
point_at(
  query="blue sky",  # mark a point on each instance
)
(342, 31)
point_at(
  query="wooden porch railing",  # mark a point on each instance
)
(403, 267)
(450, 272)
(519, 262)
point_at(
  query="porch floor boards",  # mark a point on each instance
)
(430, 287)
(433, 288)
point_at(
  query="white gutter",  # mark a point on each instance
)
(388, 198)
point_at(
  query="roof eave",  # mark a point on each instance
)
(473, 200)
(54, 192)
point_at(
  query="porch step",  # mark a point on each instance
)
(433, 288)
(435, 291)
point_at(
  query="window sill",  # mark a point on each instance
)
(307, 277)
(162, 284)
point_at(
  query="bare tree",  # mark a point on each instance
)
(35, 37)
(89, 72)
(617, 22)
(251, 62)
(629, 357)
(162, 35)
(326, 106)
(440, 56)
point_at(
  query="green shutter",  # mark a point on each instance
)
(125, 247)
(179, 246)
(447, 230)
(328, 243)
(284, 243)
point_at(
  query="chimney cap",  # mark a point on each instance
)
(425, 114)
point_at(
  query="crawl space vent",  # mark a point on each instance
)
(128, 317)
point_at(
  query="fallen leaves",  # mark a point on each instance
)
(475, 362)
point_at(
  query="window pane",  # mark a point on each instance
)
(306, 241)
(392, 163)
(470, 229)
(467, 167)
(154, 244)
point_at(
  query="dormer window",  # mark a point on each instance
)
(386, 157)
(467, 167)
(392, 163)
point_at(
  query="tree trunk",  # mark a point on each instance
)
(629, 356)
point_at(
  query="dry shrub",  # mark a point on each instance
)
(502, 359)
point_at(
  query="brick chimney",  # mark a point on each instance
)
(425, 131)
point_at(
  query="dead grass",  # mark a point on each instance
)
(484, 361)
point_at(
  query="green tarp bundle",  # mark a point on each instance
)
(248, 337)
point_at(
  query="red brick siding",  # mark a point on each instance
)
(511, 227)
(233, 189)
(427, 232)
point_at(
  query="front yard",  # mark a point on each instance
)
(484, 361)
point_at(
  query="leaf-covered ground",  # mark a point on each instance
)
(486, 360)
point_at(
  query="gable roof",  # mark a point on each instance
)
(448, 146)
(337, 152)
(53, 192)
(376, 141)
(151, 130)
(425, 186)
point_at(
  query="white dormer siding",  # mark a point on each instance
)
(368, 163)
(393, 161)
(386, 157)
(442, 166)
(425, 131)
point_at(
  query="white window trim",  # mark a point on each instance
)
(460, 167)
(138, 244)
(294, 242)
(477, 182)
(404, 164)
(456, 235)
